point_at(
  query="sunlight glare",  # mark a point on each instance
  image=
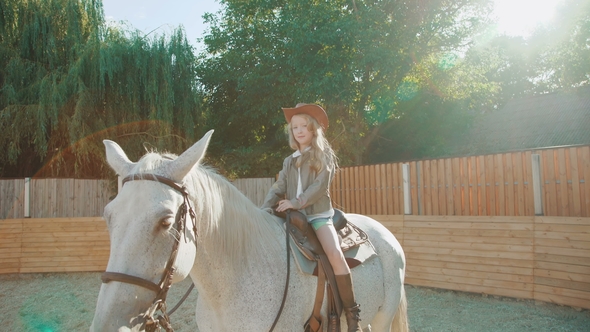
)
(520, 17)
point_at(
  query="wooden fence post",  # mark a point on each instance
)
(27, 205)
(407, 196)
(536, 170)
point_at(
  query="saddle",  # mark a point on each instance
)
(304, 237)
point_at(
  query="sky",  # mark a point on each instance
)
(165, 16)
(515, 17)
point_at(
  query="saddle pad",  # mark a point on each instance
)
(355, 255)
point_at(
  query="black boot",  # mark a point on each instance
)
(351, 308)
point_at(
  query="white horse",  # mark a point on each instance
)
(238, 263)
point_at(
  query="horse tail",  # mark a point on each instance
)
(400, 321)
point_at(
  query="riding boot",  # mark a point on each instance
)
(351, 308)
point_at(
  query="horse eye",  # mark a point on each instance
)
(166, 222)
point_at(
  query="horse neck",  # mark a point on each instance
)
(235, 229)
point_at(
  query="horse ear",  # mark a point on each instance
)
(117, 158)
(180, 167)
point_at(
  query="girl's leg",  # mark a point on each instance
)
(329, 240)
(331, 245)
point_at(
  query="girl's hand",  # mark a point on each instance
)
(284, 205)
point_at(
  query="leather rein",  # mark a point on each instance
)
(161, 289)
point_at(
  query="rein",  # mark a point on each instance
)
(161, 289)
(285, 291)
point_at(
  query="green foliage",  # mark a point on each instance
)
(68, 81)
(352, 57)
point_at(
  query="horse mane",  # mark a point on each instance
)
(239, 230)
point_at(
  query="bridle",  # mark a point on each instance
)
(161, 289)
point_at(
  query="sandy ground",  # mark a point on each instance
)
(66, 302)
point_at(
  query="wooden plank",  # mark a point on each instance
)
(577, 192)
(563, 275)
(477, 248)
(571, 298)
(584, 170)
(442, 187)
(572, 229)
(563, 220)
(481, 186)
(563, 267)
(467, 272)
(414, 187)
(460, 186)
(583, 253)
(345, 189)
(525, 256)
(500, 184)
(441, 192)
(560, 243)
(383, 185)
(370, 173)
(436, 186)
(521, 241)
(395, 184)
(498, 268)
(549, 183)
(491, 262)
(421, 186)
(526, 294)
(489, 185)
(473, 219)
(563, 259)
(563, 284)
(464, 183)
(389, 190)
(365, 204)
(462, 281)
(562, 191)
(472, 178)
(519, 192)
(449, 197)
(427, 188)
(510, 186)
(349, 180)
(357, 190)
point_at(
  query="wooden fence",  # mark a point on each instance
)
(487, 185)
(51, 198)
(541, 258)
(254, 189)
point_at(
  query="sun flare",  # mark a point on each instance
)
(520, 17)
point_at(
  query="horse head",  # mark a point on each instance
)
(153, 235)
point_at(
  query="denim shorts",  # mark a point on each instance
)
(317, 223)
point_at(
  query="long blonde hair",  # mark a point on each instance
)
(322, 155)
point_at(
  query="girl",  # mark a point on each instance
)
(305, 180)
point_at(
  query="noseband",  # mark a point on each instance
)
(161, 289)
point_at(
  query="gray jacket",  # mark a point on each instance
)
(315, 197)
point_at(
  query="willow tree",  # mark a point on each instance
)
(68, 80)
(350, 56)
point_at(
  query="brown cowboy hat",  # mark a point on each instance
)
(313, 110)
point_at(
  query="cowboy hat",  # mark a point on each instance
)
(313, 110)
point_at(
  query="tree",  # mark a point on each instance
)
(67, 81)
(565, 47)
(349, 56)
